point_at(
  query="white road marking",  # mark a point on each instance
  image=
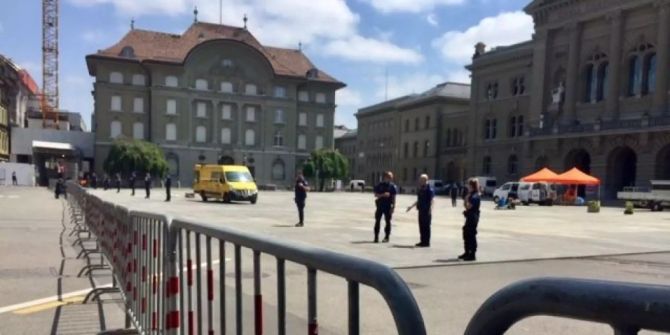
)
(36, 302)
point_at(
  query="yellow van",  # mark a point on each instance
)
(225, 182)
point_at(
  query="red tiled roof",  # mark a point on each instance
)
(172, 48)
(28, 81)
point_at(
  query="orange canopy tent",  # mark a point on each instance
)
(576, 177)
(542, 175)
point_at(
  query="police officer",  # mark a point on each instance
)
(424, 204)
(301, 187)
(471, 213)
(147, 185)
(105, 182)
(385, 193)
(168, 186)
(133, 177)
(454, 194)
(94, 180)
(117, 181)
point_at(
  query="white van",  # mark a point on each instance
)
(487, 185)
(357, 185)
(506, 191)
(539, 193)
(437, 185)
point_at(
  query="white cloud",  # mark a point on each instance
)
(399, 85)
(93, 36)
(459, 76)
(348, 97)
(135, 7)
(504, 29)
(358, 48)
(432, 20)
(412, 6)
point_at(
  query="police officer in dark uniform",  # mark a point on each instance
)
(471, 213)
(147, 185)
(168, 186)
(117, 181)
(454, 194)
(385, 193)
(301, 187)
(424, 204)
(133, 177)
(94, 180)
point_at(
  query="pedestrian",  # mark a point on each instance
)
(147, 185)
(454, 194)
(58, 188)
(471, 213)
(94, 180)
(301, 188)
(385, 193)
(118, 183)
(15, 182)
(424, 204)
(168, 186)
(133, 177)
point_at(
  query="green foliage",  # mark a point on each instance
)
(629, 210)
(326, 164)
(127, 156)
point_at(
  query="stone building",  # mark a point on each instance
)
(414, 134)
(347, 144)
(589, 90)
(212, 94)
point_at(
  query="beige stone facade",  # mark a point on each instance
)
(415, 134)
(591, 90)
(216, 95)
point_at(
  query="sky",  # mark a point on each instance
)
(379, 48)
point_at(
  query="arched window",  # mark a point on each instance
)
(603, 70)
(226, 87)
(250, 137)
(171, 132)
(278, 170)
(512, 165)
(171, 81)
(201, 134)
(650, 80)
(115, 129)
(486, 165)
(279, 139)
(116, 78)
(634, 75)
(226, 136)
(138, 130)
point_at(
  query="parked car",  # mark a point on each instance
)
(487, 185)
(357, 185)
(537, 193)
(506, 191)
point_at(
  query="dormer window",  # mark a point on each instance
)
(312, 73)
(127, 52)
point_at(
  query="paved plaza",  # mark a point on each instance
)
(38, 261)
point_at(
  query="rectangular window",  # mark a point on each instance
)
(201, 109)
(250, 89)
(302, 142)
(487, 129)
(171, 107)
(116, 104)
(226, 112)
(279, 116)
(251, 114)
(416, 124)
(201, 84)
(407, 125)
(138, 105)
(318, 143)
(171, 81)
(303, 96)
(227, 87)
(170, 132)
(138, 80)
(494, 128)
(138, 131)
(280, 92)
(519, 127)
(115, 129)
(319, 120)
(116, 78)
(427, 122)
(302, 119)
(321, 98)
(406, 150)
(226, 136)
(426, 147)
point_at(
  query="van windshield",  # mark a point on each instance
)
(490, 183)
(238, 176)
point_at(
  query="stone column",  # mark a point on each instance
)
(614, 73)
(572, 73)
(662, 56)
(537, 89)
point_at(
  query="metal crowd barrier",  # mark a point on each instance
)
(151, 260)
(626, 307)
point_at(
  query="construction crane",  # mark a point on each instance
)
(49, 96)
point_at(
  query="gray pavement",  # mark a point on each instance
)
(515, 245)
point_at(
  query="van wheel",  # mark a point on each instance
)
(657, 207)
(226, 198)
(254, 200)
(203, 196)
(496, 199)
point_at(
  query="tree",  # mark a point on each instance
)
(127, 156)
(325, 164)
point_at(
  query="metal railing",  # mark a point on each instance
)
(627, 308)
(151, 257)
